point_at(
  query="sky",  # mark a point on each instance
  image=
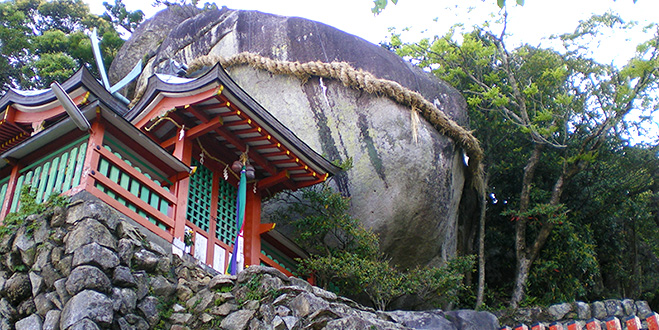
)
(536, 19)
(533, 23)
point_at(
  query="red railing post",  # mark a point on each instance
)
(11, 189)
(182, 151)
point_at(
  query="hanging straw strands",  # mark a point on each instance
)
(226, 166)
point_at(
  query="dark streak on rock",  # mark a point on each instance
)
(373, 155)
(327, 142)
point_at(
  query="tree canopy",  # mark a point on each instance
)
(548, 119)
(44, 41)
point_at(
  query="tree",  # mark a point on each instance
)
(563, 108)
(43, 41)
(119, 16)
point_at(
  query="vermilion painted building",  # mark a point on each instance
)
(141, 160)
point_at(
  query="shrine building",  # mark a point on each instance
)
(164, 163)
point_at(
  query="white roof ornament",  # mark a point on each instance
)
(70, 107)
(104, 77)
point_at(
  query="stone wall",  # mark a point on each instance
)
(580, 314)
(85, 267)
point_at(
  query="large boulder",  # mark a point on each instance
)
(408, 192)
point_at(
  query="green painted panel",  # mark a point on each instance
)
(34, 180)
(113, 174)
(41, 188)
(80, 162)
(124, 181)
(103, 166)
(135, 190)
(61, 172)
(70, 169)
(28, 177)
(3, 193)
(52, 177)
(17, 194)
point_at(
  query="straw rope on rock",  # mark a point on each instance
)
(360, 80)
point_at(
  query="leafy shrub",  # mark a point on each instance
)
(345, 256)
(29, 206)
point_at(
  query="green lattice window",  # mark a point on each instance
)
(226, 213)
(199, 196)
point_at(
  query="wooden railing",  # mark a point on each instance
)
(128, 188)
(54, 174)
(268, 261)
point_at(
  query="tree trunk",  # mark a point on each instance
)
(523, 267)
(481, 246)
(523, 263)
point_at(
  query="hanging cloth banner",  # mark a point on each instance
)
(237, 258)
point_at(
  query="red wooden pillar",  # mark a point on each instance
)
(252, 232)
(11, 189)
(212, 222)
(182, 151)
(91, 156)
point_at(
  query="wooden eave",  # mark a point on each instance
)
(91, 98)
(44, 101)
(25, 111)
(213, 105)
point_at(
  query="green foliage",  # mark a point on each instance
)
(442, 285)
(346, 258)
(379, 5)
(28, 206)
(573, 112)
(567, 268)
(118, 15)
(323, 225)
(255, 291)
(42, 41)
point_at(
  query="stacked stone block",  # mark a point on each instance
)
(84, 267)
(600, 315)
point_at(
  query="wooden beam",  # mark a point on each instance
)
(195, 131)
(198, 114)
(252, 243)
(248, 131)
(130, 213)
(11, 190)
(225, 133)
(302, 184)
(276, 154)
(173, 102)
(182, 151)
(119, 190)
(237, 123)
(284, 161)
(273, 180)
(258, 138)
